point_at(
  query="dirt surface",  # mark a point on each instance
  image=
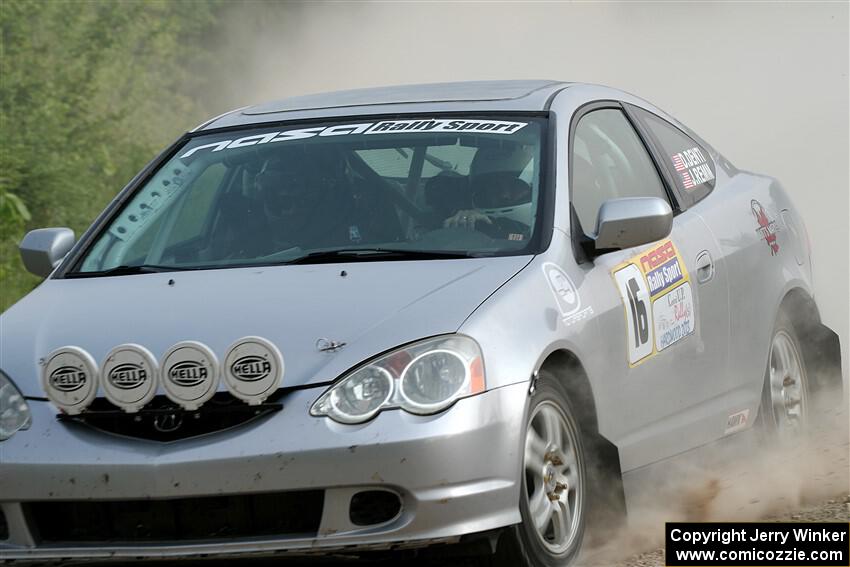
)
(750, 479)
(831, 510)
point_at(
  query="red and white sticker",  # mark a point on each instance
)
(737, 422)
(692, 167)
(766, 226)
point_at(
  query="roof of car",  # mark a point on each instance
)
(434, 97)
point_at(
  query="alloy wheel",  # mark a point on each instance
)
(787, 386)
(553, 479)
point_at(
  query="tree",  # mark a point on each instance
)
(89, 92)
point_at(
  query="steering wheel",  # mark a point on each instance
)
(397, 197)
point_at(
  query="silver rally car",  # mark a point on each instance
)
(400, 318)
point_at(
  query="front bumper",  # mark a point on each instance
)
(456, 473)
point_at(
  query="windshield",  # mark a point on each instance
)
(404, 188)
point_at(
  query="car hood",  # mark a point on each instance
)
(372, 307)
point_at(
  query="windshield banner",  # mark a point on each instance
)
(429, 125)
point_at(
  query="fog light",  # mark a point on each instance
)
(371, 507)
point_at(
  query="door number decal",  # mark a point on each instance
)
(657, 300)
(635, 295)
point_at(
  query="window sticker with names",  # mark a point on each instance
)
(692, 167)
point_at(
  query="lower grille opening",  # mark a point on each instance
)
(206, 518)
(4, 526)
(373, 507)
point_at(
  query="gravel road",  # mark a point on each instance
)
(832, 510)
(747, 481)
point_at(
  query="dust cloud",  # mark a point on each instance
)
(766, 84)
(747, 480)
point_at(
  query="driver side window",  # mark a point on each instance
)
(609, 161)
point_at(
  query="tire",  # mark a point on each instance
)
(554, 485)
(786, 395)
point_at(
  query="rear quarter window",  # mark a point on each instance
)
(689, 162)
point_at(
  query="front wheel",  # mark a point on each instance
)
(553, 495)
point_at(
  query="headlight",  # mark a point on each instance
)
(14, 411)
(360, 396)
(422, 378)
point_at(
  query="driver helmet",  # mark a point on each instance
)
(501, 195)
(294, 183)
(497, 189)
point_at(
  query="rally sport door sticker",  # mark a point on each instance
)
(657, 300)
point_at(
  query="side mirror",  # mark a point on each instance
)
(43, 249)
(623, 223)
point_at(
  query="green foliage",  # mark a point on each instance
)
(89, 92)
(13, 209)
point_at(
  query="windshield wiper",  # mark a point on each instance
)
(374, 255)
(129, 271)
(318, 257)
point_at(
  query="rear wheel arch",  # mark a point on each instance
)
(801, 308)
(820, 344)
